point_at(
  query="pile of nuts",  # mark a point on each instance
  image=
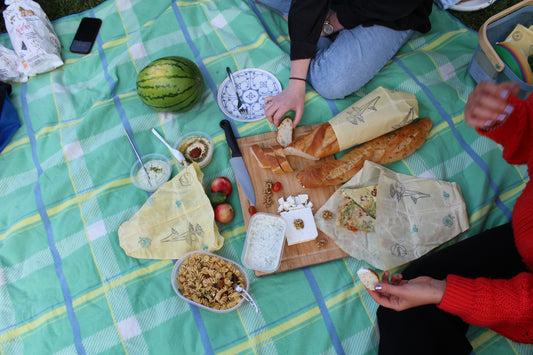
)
(267, 194)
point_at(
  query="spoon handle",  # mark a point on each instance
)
(138, 157)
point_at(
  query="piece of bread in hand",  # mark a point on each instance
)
(369, 278)
(285, 131)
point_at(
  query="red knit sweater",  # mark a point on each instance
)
(505, 306)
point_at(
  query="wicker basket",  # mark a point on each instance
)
(486, 65)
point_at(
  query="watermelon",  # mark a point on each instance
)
(170, 84)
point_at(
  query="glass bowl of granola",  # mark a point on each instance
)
(209, 281)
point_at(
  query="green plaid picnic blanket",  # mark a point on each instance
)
(66, 286)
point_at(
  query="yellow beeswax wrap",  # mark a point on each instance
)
(521, 38)
(413, 216)
(175, 219)
(376, 114)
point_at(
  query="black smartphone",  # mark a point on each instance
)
(85, 35)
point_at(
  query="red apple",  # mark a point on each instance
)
(224, 212)
(221, 184)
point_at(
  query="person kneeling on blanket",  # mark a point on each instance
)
(338, 52)
(484, 280)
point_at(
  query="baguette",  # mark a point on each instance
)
(271, 156)
(260, 157)
(318, 143)
(285, 131)
(264, 161)
(282, 159)
(391, 147)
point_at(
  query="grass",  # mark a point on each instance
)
(475, 19)
(55, 9)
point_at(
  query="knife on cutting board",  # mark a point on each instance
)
(237, 163)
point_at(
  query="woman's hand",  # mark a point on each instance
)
(399, 294)
(292, 98)
(487, 105)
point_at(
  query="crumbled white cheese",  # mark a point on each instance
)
(294, 202)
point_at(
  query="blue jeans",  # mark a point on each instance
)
(344, 65)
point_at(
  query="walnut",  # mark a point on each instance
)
(298, 224)
(321, 242)
(327, 215)
(267, 194)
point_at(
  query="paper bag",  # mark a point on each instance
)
(176, 219)
(379, 112)
(413, 216)
(32, 36)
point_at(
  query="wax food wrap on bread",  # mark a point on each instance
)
(376, 114)
(386, 149)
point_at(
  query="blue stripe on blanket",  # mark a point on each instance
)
(48, 226)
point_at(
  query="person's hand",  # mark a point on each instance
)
(292, 98)
(487, 105)
(399, 294)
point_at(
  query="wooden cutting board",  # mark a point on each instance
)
(317, 251)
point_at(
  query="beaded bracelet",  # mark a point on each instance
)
(295, 78)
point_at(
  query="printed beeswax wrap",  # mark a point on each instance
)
(176, 219)
(376, 114)
(413, 216)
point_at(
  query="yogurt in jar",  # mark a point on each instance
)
(158, 172)
(264, 243)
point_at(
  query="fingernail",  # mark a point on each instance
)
(378, 288)
(488, 123)
(501, 117)
(508, 109)
(504, 93)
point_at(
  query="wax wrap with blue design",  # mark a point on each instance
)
(413, 216)
(176, 219)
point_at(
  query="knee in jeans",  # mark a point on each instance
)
(330, 91)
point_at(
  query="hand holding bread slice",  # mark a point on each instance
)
(369, 278)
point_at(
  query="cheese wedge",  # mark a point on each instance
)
(298, 215)
(301, 226)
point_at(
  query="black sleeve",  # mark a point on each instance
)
(395, 14)
(306, 18)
